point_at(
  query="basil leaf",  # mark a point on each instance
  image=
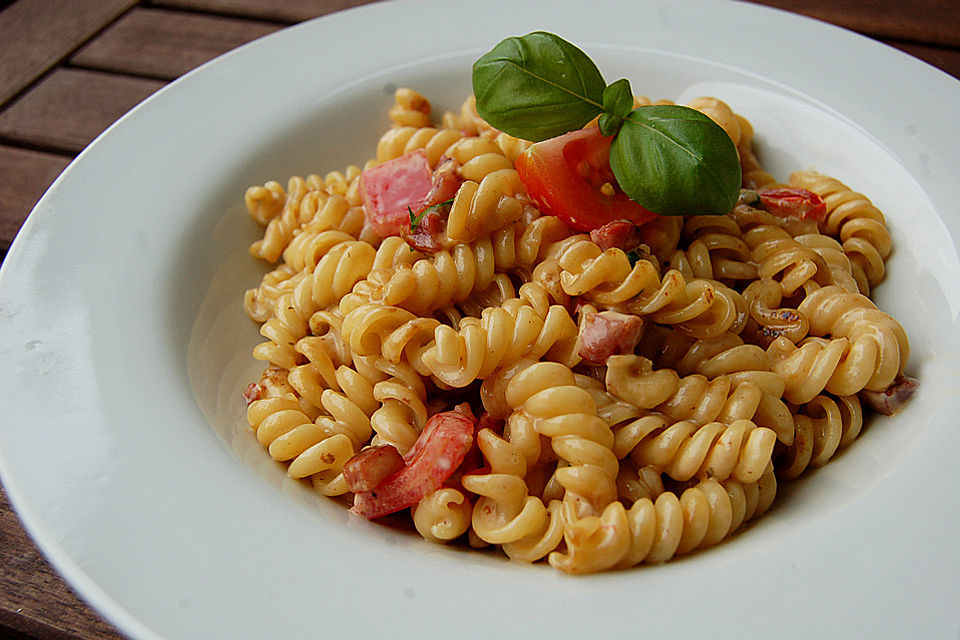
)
(537, 86)
(675, 160)
(617, 103)
(618, 98)
(609, 124)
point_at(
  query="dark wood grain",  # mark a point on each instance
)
(37, 35)
(288, 11)
(930, 21)
(166, 44)
(70, 107)
(26, 175)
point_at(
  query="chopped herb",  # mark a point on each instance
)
(415, 219)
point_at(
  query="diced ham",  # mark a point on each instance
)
(367, 469)
(622, 234)
(392, 189)
(891, 400)
(608, 333)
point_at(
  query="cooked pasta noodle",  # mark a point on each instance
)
(628, 402)
(855, 221)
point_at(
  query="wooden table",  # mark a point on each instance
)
(69, 68)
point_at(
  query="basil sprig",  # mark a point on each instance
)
(671, 159)
(539, 84)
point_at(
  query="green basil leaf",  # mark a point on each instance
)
(618, 98)
(609, 124)
(537, 86)
(675, 160)
(617, 104)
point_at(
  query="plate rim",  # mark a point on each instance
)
(65, 564)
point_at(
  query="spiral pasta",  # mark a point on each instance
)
(841, 314)
(684, 450)
(654, 531)
(826, 425)
(443, 515)
(290, 436)
(484, 207)
(410, 108)
(402, 140)
(603, 399)
(856, 222)
(546, 393)
(323, 203)
(501, 336)
(606, 278)
(334, 275)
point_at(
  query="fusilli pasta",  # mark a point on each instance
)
(617, 402)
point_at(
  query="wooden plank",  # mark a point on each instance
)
(927, 21)
(166, 44)
(26, 176)
(38, 34)
(70, 107)
(34, 599)
(289, 11)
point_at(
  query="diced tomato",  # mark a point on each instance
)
(794, 203)
(570, 177)
(367, 469)
(388, 189)
(441, 447)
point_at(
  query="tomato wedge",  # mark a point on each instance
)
(793, 203)
(570, 177)
(441, 447)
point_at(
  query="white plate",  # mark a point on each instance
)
(124, 347)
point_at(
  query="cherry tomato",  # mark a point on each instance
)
(795, 203)
(570, 177)
(441, 447)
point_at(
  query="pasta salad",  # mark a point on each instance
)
(598, 340)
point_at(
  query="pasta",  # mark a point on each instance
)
(604, 399)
